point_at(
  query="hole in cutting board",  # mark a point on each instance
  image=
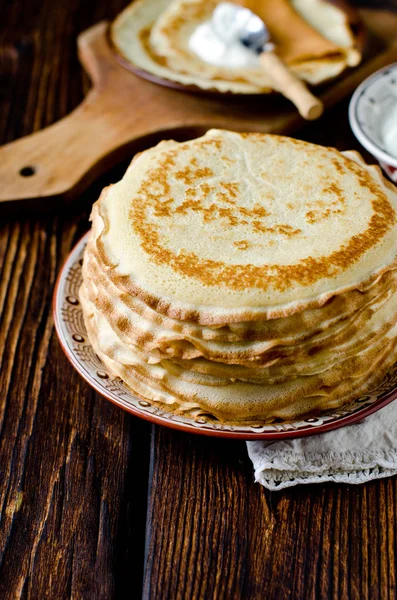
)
(27, 171)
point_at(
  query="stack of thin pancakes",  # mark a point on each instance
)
(249, 277)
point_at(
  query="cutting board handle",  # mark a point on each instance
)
(123, 114)
(55, 160)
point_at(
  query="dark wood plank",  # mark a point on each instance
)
(71, 464)
(74, 469)
(214, 533)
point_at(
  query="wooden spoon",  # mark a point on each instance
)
(232, 22)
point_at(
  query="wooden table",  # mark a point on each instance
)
(95, 502)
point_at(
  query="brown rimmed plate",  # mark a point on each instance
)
(69, 325)
(356, 23)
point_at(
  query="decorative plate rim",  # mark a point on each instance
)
(227, 431)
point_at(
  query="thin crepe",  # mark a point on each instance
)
(280, 226)
(153, 35)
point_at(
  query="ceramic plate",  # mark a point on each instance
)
(72, 335)
(369, 111)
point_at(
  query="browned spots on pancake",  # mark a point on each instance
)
(257, 136)
(338, 167)
(334, 188)
(163, 209)
(227, 213)
(122, 324)
(242, 244)
(158, 188)
(230, 194)
(259, 211)
(215, 142)
(315, 216)
(187, 205)
(232, 187)
(191, 13)
(294, 141)
(233, 215)
(205, 188)
(286, 230)
(213, 212)
(241, 276)
(332, 203)
(260, 227)
(144, 37)
(256, 211)
(224, 197)
(189, 175)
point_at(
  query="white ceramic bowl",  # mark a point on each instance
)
(373, 117)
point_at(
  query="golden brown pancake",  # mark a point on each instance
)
(239, 227)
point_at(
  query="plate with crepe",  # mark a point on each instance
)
(168, 42)
(238, 285)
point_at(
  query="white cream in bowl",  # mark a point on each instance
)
(373, 114)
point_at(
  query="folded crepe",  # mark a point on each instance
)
(314, 37)
(306, 30)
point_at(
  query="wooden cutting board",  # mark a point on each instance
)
(123, 114)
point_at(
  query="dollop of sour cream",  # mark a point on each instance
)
(388, 130)
(211, 49)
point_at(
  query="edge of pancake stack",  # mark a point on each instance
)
(245, 277)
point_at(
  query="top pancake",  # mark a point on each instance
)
(237, 227)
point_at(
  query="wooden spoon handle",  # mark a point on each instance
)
(291, 86)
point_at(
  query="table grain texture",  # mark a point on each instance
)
(95, 503)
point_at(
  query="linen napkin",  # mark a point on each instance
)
(353, 454)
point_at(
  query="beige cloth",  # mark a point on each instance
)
(354, 454)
